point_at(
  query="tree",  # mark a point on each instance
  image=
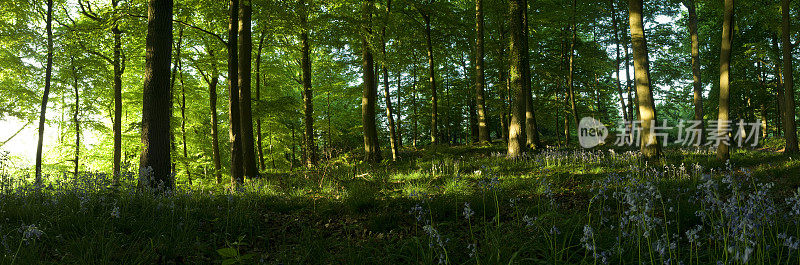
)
(393, 138)
(790, 128)
(432, 78)
(308, 98)
(235, 129)
(650, 147)
(571, 75)
(516, 131)
(245, 99)
(46, 94)
(155, 158)
(697, 85)
(532, 133)
(372, 151)
(723, 123)
(480, 79)
(119, 69)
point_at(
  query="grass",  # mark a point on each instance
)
(556, 206)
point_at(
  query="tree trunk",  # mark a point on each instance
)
(633, 104)
(480, 79)
(571, 74)
(389, 116)
(119, 69)
(789, 122)
(650, 147)
(614, 20)
(698, 86)
(505, 84)
(155, 160)
(778, 86)
(397, 113)
(517, 141)
(46, 94)
(245, 99)
(372, 152)
(75, 118)
(308, 96)
(183, 125)
(723, 126)
(531, 130)
(432, 77)
(212, 98)
(235, 132)
(415, 131)
(258, 98)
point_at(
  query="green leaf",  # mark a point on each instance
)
(227, 252)
(228, 261)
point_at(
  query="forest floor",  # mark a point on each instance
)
(437, 205)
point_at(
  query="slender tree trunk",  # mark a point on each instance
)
(372, 152)
(789, 122)
(778, 86)
(235, 128)
(504, 84)
(173, 78)
(155, 160)
(119, 69)
(480, 79)
(245, 98)
(698, 86)
(571, 74)
(183, 125)
(615, 21)
(46, 94)
(650, 147)
(75, 118)
(308, 96)
(212, 98)
(531, 130)
(633, 104)
(723, 126)
(397, 113)
(516, 143)
(389, 116)
(432, 77)
(415, 131)
(258, 98)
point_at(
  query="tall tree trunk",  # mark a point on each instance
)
(258, 98)
(75, 117)
(723, 126)
(183, 125)
(46, 94)
(156, 101)
(212, 98)
(119, 69)
(415, 127)
(480, 79)
(698, 86)
(173, 78)
(245, 98)
(308, 96)
(650, 147)
(531, 130)
(372, 151)
(389, 116)
(778, 86)
(516, 141)
(633, 104)
(397, 113)
(235, 128)
(432, 77)
(614, 20)
(571, 74)
(505, 95)
(789, 122)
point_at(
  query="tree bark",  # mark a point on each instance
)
(235, 132)
(432, 77)
(372, 152)
(308, 96)
(46, 94)
(119, 69)
(531, 130)
(778, 86)
(789, 122)
(615, 21)
(397, 113)
(155, 157)
(723, 128)
(212, 98)
(258, 98)
(183, 124)
(571, 74)
(698, 86)
(245, 98)
(393, 140)
(75, 118)
(480, 79)
(517, 141)
(650, 147)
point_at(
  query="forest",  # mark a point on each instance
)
(399, 132)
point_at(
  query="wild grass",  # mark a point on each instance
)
(442, 205)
